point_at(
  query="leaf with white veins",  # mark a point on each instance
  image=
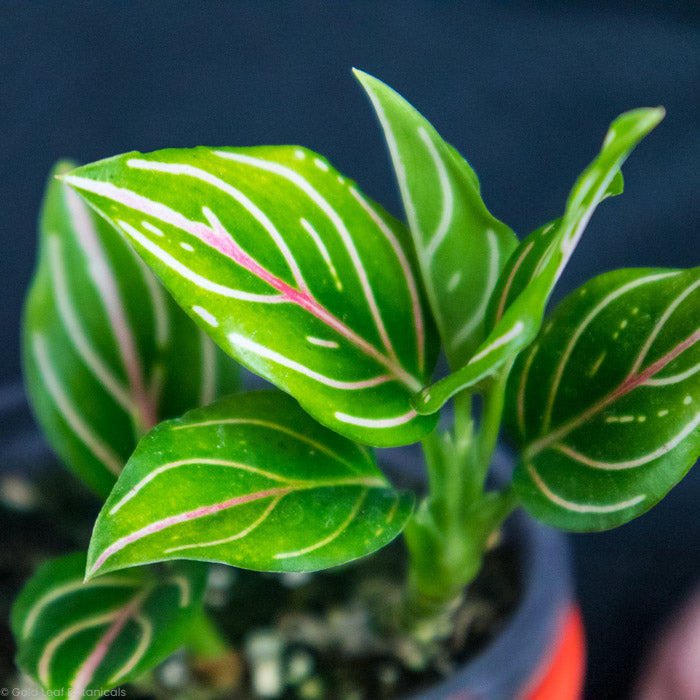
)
(526, 283)
(525, 264)
(291, 270)
(606, 403)
(107, 352)
(461, 246)
(251, 481)
(94, 636)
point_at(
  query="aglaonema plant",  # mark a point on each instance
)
(303, 279)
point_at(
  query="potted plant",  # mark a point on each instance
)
(292, 271)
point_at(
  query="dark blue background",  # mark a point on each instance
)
(524, 90)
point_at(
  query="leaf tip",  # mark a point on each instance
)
(62, 168)
(655, 115)
(70, 180)
(92, 568)
(421, 402)
(360, 75)
(365, 79)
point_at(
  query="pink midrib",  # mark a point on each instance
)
(184, 517)
(214, 508)
(228, 247)
(91, 664)
(221, 241)
(107, 289)
(630, 383)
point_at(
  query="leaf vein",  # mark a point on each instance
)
(313, 194)
(280, 428)
(239, 535)
(242, 199)
(409, 278)
(76, 333)
(333, 536)
(630, 463)
(104, 280)
(478, 313)
(576, 335)
(102, 452)
(447, 212)
(580, 507)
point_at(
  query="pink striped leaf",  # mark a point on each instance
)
(461, 246)
(518, 303)
(289, 268)
(606, 402)
(94, 636)
(251, 481)
(107, 352)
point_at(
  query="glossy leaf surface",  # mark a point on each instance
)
(606, 403)
(461, 246)
(251, 481)
(94, 636)
(289, 268)
(107, 352)
(526, 283)
(526, 265)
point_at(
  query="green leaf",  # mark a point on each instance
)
(251, 481)
(461, 247)
(289, 268)
(526, 283)
(606, 403)
(107, 353)
(94, 636)
(523, 267)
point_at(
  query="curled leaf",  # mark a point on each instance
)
(526, 283)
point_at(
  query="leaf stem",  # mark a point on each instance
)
(490, 424)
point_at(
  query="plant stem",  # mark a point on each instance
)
(489, 428)
(450, 530)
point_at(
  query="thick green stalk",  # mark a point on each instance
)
(449, 532)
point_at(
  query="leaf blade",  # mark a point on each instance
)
(614, 427)
(253, 482)
(99, 347)
(278, 257)
(94, 636)
(461, 246)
